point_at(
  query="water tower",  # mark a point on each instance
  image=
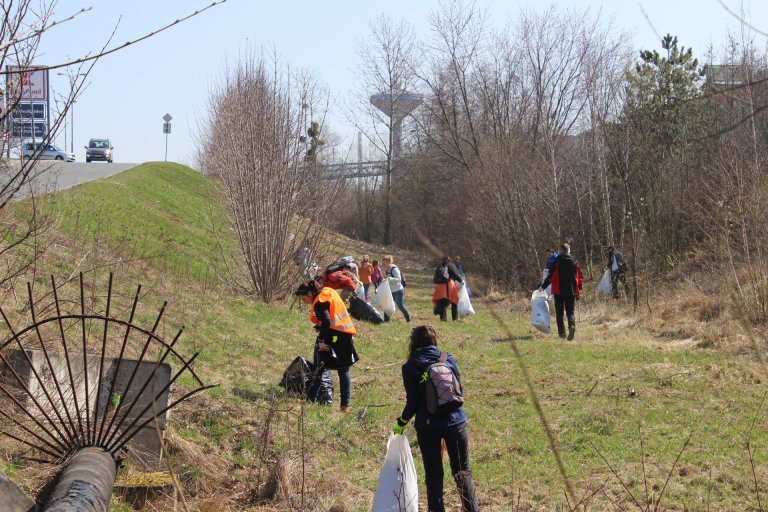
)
(396, 104)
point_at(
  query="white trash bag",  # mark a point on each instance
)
(540, 311)
(464, 307)
(605, 283)
(397, 489)
(384, 294)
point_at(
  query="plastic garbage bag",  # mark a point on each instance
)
(464, 307)
(605, 283)
(397, 489)
(301, 378)
(361, 310)
(540, 311)
(387, 303)
(360, 292)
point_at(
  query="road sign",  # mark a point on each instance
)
(167, 118)
(166, 127)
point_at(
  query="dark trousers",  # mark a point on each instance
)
(457, 445)
(564, 302)
(441, 308)
(616, 276)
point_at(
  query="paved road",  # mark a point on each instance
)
(61, 175)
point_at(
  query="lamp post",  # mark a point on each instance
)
(71, 106)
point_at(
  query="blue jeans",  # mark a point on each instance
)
(399, 298)
(345, 385)
(365, 287)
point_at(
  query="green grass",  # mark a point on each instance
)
(158, 211)
(584, 387)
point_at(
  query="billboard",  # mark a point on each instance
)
(32, 81)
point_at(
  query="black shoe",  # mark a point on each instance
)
(571, 333)
(561, 334)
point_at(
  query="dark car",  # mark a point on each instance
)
(99, 149)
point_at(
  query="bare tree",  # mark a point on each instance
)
(386, 78)
(270, 179)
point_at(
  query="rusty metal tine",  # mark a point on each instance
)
(35, 421)
(146, 422)
(102, 432)
(146, 408)
(134, 372)
(55, 456)
(101, 362)
(146, 383)
(69, 423)
(66, 355)
(85, 362)
(29, 391)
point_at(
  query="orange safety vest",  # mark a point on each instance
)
(340, 319)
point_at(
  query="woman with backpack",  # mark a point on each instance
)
(446, 291)
(439, 417)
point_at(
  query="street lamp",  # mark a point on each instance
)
(71, 106)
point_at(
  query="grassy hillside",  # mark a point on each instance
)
(621, 404)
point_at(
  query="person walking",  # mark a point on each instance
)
(335, 343)
(618, 268)
(364, 271)
(446, 292)
(396, 284)
(565, 276)
(376, 276)
(433, 429)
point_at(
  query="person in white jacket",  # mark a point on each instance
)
(396, 284)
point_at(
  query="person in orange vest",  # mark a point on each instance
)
(335, 343)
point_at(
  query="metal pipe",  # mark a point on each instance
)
(86, 484)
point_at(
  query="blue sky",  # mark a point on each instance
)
(131, 90)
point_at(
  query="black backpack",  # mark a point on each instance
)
(443, 389)
(441, 275)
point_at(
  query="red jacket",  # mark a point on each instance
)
(339, 279)
(565, 276)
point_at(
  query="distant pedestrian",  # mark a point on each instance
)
(618, 268)
(395, 277)
(565, 276)
(376, 275)
(460, 269)
(364, 270)
(446, 292)
(551, 255)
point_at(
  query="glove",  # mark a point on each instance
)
(399, 426)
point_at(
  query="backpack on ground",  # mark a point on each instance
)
(443, 389)
(441, 275)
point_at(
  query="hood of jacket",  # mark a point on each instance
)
(426, 355)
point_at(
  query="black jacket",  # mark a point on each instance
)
(566, 270)
(619, 260)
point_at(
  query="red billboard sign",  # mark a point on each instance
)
(33, 83)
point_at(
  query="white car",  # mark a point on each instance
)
(46, 152)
